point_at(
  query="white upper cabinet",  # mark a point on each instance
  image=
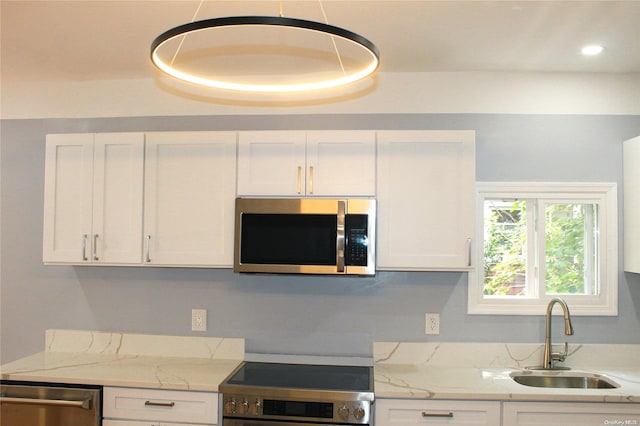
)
(168, 198)
(631, 168)
(425, 198)
(314, 163)
(341, 163)
(189, 198)
(93, 198)
(271, 163)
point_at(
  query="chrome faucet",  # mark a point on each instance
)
(551, 357)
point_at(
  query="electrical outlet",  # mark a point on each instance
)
(198, 320)
(432, 324)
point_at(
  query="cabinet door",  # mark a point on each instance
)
(631, 205)
(271, 163)
(146, 423)
(68, 198)
(341, 163)
(425, 199)
(189, 198)
(117, 198)
(562, 414)
(401, 412)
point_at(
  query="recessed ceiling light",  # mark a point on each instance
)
(592, 50)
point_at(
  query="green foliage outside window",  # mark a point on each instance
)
(569, 248)
(568, 240)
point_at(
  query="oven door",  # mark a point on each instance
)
(246, 422)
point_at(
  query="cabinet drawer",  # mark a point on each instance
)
(398, 412)
(144, 423)
(161, 405)
(570, 413)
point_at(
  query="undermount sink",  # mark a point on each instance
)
(563, 379)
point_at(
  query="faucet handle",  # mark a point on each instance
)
(561, 356)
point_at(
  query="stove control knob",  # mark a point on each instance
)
(255, 408)
(358, 413)
(343, 412)
(244, 407)
(230, 406)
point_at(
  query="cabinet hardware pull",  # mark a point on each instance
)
(425, 414)
(84, 246)
(147, 249)
(159, 404)
(469, 251)
(310, 179)
(299, 179)
(95, 247)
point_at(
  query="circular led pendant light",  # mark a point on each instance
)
(285, 83)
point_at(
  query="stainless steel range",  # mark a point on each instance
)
(265, 394)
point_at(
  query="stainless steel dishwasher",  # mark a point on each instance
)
(27, 404)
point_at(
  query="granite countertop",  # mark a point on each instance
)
(481, 371)
(130, 360)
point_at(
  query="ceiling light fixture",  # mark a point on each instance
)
(287, 82)
(592, 50)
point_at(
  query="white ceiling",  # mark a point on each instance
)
(101, 40)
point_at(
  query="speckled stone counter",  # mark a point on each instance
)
(481, 371)
(130, 360)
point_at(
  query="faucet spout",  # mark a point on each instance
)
(551, 357)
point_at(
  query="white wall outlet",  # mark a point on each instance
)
(432, 324)
(198, 320)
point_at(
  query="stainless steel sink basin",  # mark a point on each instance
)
(563, 379)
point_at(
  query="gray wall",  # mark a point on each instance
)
(291, 314)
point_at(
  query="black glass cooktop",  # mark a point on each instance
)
(303, 376)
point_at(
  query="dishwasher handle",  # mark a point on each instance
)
(84, 404)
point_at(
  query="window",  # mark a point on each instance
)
(545, 240)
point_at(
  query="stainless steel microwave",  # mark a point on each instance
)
(305, 236)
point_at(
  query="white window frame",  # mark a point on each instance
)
(603, 194)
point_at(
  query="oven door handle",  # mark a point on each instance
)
(340, 237)
(85, 404)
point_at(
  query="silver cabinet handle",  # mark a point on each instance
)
(310, 179)
(147, 257)
(299, 179)
(159, 404)
(86, 404)
(95, 247)
(469, 251)
(425, 414)
(84, 247)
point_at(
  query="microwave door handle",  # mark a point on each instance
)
(340, 237)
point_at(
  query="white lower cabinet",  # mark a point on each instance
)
(569, 414)
(151, 407)
(142, 423)
(415, 412)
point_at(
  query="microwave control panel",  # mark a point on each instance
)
(357, 240)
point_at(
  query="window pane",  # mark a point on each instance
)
(571, 253)
(505, 247)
